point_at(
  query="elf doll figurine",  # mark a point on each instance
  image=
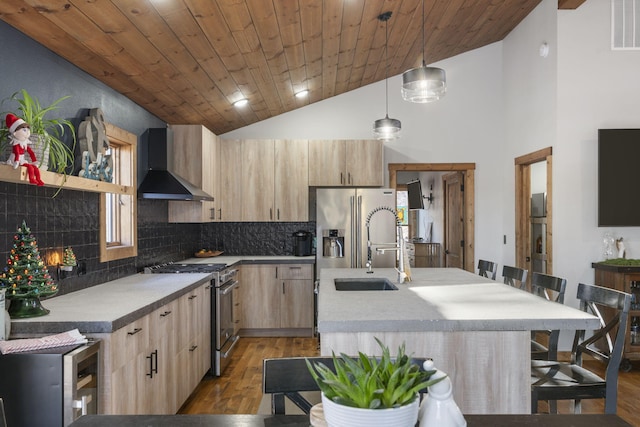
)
(20, 132)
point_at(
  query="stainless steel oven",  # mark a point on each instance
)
(224, 280)
(224, 336)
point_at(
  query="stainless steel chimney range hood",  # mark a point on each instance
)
(161, 184)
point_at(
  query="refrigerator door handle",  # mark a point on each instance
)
(358, 250)
(353, 232)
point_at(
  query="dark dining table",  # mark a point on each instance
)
(536, 420)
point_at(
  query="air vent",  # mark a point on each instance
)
(625, 24)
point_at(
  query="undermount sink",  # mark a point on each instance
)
(366, 284)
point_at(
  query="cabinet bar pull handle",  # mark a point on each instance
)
(193, 296)
(219, 214)
(295, 268)
(151, 357)
(283, 287)
(135, 331)
(193, 347)
(166, 313)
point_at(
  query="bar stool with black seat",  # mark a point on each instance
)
(552, 380)
(288, 376)
(515, 276)
(551, 288)
(487, 269)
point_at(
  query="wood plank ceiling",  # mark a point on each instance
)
(187, 61)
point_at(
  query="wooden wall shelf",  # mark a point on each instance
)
(52, 179)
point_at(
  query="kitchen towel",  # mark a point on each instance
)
(28, 344)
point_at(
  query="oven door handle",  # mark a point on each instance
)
(233, 341)
(226, 289)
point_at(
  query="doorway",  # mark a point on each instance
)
(466, 188)
(534, 211)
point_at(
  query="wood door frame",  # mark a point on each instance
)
(469, 197)
(523, 206)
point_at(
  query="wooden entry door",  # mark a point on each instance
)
(453, 219)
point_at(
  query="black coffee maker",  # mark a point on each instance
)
(302, 243)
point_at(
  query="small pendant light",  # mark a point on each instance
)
(423, 84)
(386, 129)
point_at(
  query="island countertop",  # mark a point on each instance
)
(439, 299)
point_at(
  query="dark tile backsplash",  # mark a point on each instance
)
(71, 218)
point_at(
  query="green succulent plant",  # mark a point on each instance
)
(370, 382)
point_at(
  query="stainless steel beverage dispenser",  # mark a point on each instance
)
(333, 243)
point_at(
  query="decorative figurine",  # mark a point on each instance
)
(26, 278)
(20, 133)
(68, 259)
(439, 409)
(620, 247)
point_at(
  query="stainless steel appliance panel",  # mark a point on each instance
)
(224, 337)
(50, 387)
(341, 215)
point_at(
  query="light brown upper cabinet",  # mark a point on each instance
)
(349, 163)
(196, 158)
(258, 179)
(291, 177)
(274, 180)
(231, 167)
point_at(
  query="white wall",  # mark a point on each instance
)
(467, 125)
(530, 101)
(597, 88)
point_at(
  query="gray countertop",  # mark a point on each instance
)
(109, 306)
(439, 299)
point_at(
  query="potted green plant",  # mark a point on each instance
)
(371, 391)
(51, 152)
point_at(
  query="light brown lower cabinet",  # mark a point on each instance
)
(277, 300)
(152, 365)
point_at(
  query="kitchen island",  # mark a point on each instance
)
(476, 330)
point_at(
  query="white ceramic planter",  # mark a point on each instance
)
(346, 416)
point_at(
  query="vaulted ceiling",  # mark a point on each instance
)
(187, 61)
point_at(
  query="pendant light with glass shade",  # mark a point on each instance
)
(423, 84)
(386, 129)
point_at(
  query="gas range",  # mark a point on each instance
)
(184, 268)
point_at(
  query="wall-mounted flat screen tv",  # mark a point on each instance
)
(414, 194)
(618, 177)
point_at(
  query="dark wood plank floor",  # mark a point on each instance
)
(239, 390)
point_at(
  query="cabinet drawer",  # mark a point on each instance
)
(295, 271)
(129, 341)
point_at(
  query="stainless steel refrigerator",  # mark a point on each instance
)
(341, 232)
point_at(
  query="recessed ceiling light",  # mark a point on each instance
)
(241, 102)
(302, 93)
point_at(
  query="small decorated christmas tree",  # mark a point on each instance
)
(68, 259)
(26, 278)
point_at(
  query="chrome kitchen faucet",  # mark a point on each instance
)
(398, 246)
